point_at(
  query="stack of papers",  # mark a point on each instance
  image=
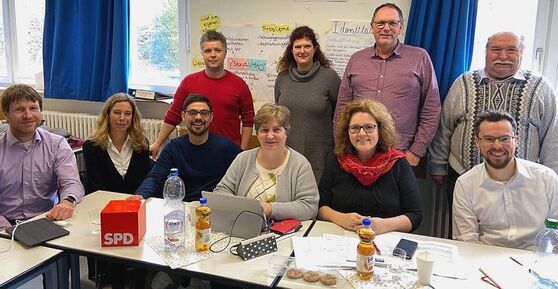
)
(340, 251)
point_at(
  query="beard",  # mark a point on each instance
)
(198, 131)
(498, 164)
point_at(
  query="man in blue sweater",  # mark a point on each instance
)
(202, 158)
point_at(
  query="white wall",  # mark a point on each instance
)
(316, 14)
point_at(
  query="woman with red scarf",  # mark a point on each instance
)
(367, 177)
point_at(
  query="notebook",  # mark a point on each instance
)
(35, 232)
(224, 210)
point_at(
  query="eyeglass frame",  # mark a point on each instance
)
(381, 24)
(503, 140)
(372, 128)
(202, 112)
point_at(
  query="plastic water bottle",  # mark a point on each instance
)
(175, 217)
(365, 251)
(203, 226)
(546, 255)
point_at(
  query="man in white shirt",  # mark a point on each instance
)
(505, 200)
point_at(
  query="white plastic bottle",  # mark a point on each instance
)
(546, 255)
(174, 212)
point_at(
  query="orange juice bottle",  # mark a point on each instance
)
(203, 226)
(365, 251)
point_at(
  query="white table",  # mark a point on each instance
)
(225, 267)
(471, 257)
(20, 265)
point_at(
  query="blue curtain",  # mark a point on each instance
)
(446, 29)
(85, 48)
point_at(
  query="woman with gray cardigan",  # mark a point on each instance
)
(278, 176)
(308, 87)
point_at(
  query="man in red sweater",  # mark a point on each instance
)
(227, 92)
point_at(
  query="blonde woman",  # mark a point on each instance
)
(117, 154)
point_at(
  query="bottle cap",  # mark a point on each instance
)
(366, 222)
(551, 223)
(203, 201)
(174, 172)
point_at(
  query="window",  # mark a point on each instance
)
(22, 40)
(533, 20)
(503, 15)
(3, 45)
(156, 52)
(545, 54)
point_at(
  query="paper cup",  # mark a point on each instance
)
(425, 264)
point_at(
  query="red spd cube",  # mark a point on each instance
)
(122, 223)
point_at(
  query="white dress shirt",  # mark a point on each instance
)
(507, 214)
(120, 159)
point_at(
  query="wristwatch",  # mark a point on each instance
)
(70, 199)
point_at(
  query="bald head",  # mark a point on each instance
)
(503, 55)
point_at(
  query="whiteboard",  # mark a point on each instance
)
(257, 33)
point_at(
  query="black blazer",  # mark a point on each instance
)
(102, 174)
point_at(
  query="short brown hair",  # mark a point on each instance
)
(271, 111)
(387, 135)
(212, 35)
(18, 92)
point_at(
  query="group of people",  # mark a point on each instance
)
(336, 148)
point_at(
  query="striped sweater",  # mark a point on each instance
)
(527, 97)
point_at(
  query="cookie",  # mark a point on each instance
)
(328, 279)
(294, 273)
(311, 276)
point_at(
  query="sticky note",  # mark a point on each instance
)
(209, 22)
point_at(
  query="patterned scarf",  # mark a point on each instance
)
(375, 167)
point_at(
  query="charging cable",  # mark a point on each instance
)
(231, 235)
(11, 246)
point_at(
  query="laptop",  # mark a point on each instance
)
(225, 208)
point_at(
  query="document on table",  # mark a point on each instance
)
(326, 251)
(506, 273)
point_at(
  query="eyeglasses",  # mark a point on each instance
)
(194, 112)
(368, 128)
(505, 140)
(392, 24)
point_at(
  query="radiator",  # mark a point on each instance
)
(82, 125)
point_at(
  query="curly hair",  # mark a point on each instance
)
(287, 60)
(387, 135)
(271, 111)
(137, 136)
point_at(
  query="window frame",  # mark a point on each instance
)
(12, 55)
(546, 41)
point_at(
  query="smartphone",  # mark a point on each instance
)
(408, 246)
(286, 226)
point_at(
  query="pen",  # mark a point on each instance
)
(377, 249)
(515, 260)
(490, 280)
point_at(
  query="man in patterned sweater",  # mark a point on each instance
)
(500, 85)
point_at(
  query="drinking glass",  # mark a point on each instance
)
(95, 221)
(398, 263)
